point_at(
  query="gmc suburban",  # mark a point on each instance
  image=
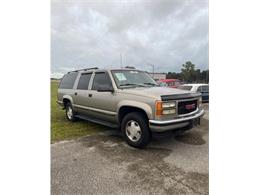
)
(130, 100)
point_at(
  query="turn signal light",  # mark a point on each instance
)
(159, 108)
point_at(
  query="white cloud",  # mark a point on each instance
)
(57, 75)
(94, 33)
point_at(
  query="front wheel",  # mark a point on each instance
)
(135, 130)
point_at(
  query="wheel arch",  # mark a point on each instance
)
(128, 107)
(66, 99)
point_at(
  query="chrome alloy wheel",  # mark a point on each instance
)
(133, 131)
(69, 112)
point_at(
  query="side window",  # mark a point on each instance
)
(101, 79)
(68, 80)
(199, 89)
(84, 81)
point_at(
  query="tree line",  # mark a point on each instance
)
(190, 74)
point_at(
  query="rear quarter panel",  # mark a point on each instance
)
(66, 93)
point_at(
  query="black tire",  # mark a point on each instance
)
(72, 117)
(142, 123)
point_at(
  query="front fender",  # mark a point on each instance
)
(141, 105)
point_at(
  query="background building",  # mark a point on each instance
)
(158, 76)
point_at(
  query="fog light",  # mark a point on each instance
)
(172, 111)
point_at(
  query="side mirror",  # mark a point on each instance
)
(105, 88)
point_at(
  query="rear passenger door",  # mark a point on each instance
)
(81, 96)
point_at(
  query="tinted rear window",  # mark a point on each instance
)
(68, 80)
(84, 81)
(101, 79)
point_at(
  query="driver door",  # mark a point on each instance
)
(102, 103)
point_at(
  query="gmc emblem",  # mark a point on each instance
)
(190, 106)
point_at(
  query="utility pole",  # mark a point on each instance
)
(153, 70)
(121, 60)
(152, 65)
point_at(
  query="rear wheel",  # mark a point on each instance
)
(70, 114)
(135, 129)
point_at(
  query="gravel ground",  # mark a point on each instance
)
(104, 164)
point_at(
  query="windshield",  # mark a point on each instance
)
(132, 78)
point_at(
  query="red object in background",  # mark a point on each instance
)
(173, 83)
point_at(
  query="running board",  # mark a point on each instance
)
(101, 122)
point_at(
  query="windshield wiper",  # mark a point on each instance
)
(131, 84)
(153, 84)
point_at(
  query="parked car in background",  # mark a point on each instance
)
(198, 87)
(172, 83)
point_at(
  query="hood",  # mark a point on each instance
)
(155, 92)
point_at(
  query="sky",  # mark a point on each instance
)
(95, 33)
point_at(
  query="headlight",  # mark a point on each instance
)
(163, 108)
(168, 105)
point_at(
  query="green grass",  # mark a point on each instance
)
(61, 128)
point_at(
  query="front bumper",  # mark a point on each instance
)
(161, 126)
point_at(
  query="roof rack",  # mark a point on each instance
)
(84, 69)
(130, 67)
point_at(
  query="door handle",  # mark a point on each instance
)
(90, 95)
(75, 93)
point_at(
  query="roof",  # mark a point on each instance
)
(103, 69)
